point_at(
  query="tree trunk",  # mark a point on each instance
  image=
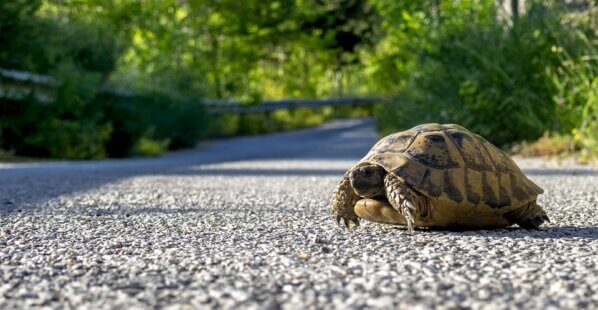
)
(436, 12)
(216, 64)
(514, 10)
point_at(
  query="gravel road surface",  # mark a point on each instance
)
(244, 223)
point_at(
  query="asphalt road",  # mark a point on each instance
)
(244, 223)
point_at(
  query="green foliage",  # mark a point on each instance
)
(47, 133)
(465, 61)
(279, 120)
(100, 125)
(44, 42)
(576, 80)
(508, 83)
(242, 49)
(72, 139)
(223, 125)
(169, 53)
(153, 117)
(549, 145)
(6, 155)
(81, 49)
(68, 127)
(149, 147)
(80, 54)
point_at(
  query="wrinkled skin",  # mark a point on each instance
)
(372, 181)
(368, 181)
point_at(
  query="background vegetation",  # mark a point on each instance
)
(509, 80)
(508, 75)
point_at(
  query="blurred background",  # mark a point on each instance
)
(115, 78)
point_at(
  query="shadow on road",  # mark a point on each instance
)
(568, 232)
(514, 232)
(563, 171)
(268, 211)
(258, 172)
(563, 232)
(33, 183)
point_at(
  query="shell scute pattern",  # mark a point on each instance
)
(473, 153)
(429, 183)
(454, 126)
(431, 149)
(427, 127)
(451, 187)
(502, 162)
(504, 196)
(474, 193)
(517, 189)
(506, 165)
(491, 189)
(411, 172)
(395, 143)
(473, 182)
(450, 163)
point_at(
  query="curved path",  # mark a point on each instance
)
(243, 223)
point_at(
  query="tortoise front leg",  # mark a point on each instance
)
(343, 203)
(408, 202)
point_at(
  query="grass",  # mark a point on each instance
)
(6, 155)
(556, 146)
(10, 157)
(150, 148)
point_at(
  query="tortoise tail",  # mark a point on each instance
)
(530, 216)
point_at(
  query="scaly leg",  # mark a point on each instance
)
(530, 216)
(403, 199)
(343, 203)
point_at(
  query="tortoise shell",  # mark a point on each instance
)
(454, 168)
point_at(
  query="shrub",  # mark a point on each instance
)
(6, 155)
(71, 139)
(506, 83)
(548, 145)
(155, 117)
(41, 44)
(77, 52)
(41, 132)
(251, 124)
(223, 125)
(69, 127)
(83, 123)
(149, 147)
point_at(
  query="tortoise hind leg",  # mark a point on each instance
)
(531, 216)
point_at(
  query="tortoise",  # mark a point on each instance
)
(436, 175)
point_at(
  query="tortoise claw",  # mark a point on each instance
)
(349, 223)
(407, 209)
(410, 230)
(352, 223)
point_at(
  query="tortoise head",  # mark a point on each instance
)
(368, 181)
